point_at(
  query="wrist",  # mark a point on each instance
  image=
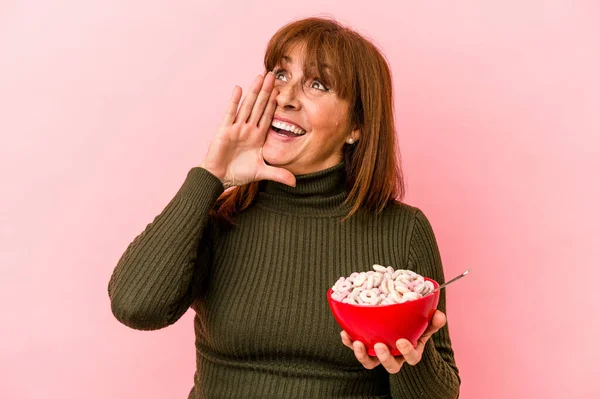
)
(216, 174)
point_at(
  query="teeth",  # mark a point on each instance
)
(289, 128)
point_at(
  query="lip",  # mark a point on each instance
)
(289, 122)
(282, 137)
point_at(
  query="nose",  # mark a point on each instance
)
(287, 97)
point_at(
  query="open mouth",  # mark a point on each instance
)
(286, 129)
(283, 132)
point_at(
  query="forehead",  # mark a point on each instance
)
(296, 56)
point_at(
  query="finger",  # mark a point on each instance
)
(262, 100)
(363, 357)
(233, 107)
(438, 320)
(346, 339)
(267, 116)
(411, 355)
(277, 174)
(391, 363)
(248, 101)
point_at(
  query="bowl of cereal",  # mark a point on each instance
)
(384, 305)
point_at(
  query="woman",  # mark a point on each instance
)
(310, 158)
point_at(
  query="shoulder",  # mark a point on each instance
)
(401, 210)
(398, 217)
(407, 218)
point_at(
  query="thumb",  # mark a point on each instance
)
(279, 175)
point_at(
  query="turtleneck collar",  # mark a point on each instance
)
(320, 193)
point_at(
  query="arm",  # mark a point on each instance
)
(162, 271)
(158, 276)
(436, 375)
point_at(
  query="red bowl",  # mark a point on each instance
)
(385, 323)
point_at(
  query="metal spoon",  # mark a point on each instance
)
(451, 281)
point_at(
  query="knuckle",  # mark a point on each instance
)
(443, 319)
(369, 366)
(414, 360)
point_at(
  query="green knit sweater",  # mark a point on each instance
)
(263, 326)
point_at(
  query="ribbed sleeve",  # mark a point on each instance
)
(157, 277)
(436, 375)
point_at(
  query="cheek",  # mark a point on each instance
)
(328, 117)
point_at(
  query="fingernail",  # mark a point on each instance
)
(379, 350)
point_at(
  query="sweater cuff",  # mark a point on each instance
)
(201, 186)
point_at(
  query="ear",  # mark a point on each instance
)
(355, 134)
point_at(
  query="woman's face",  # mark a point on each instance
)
(318, 118)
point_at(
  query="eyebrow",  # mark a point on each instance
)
(287, 59)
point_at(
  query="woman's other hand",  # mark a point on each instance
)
(393, 364)
(235, 154)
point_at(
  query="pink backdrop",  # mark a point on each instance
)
(105, 106)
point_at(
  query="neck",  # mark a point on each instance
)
(319, 193)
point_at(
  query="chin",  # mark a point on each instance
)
(279, 164)
(274, 156)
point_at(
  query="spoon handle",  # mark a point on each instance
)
(451, 281)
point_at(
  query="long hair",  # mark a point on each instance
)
(360, 74)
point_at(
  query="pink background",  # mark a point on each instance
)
(106, 105)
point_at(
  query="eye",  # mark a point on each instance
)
(279, 74)
(315, 84)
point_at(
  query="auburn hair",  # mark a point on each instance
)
(359, 73)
